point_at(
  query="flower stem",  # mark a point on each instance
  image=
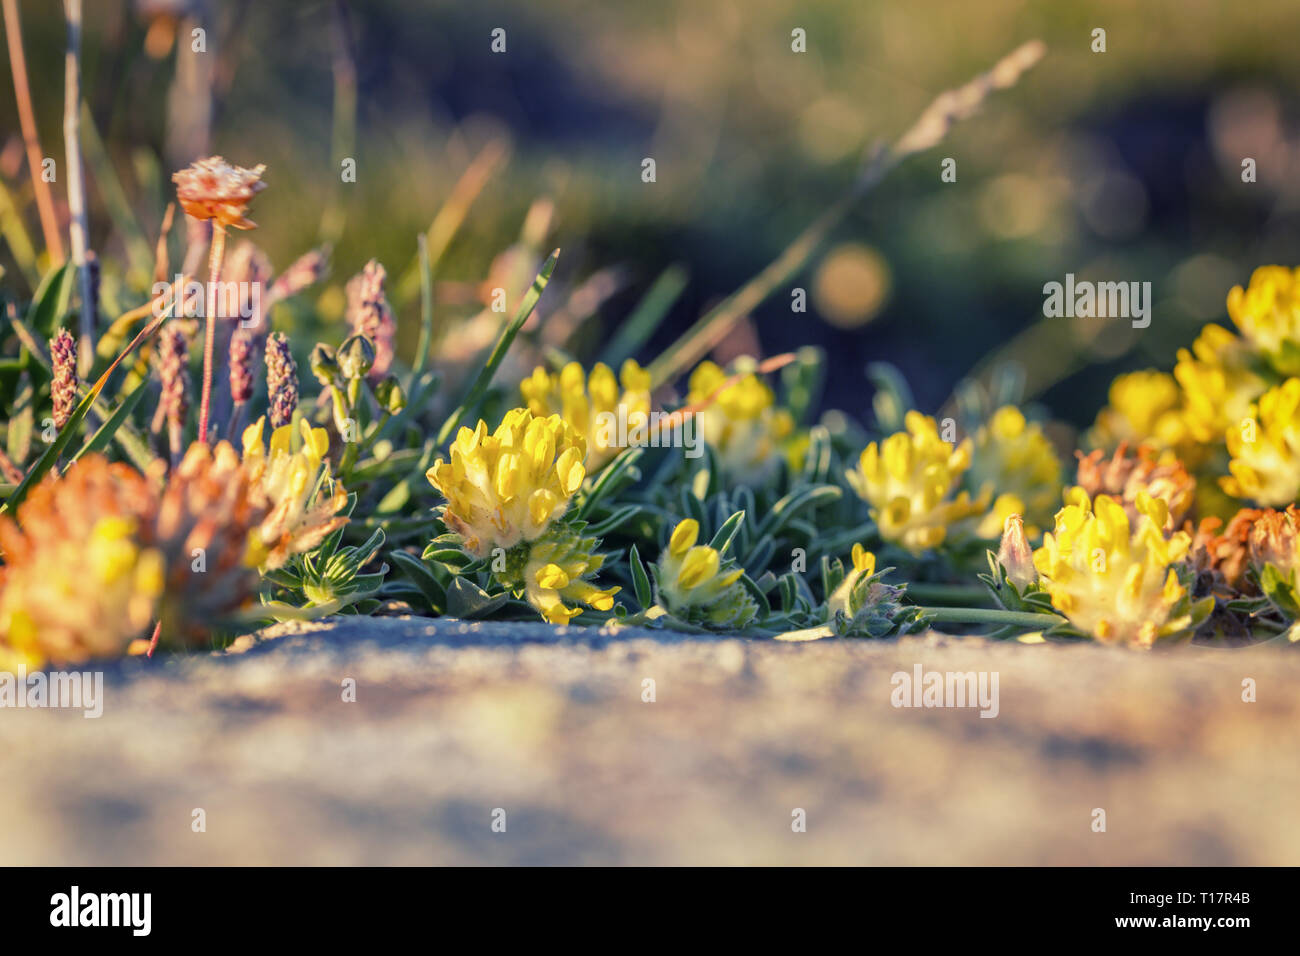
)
(947, 593)
(31, 139)
(984, 615)
(78, 227)
(218, 249)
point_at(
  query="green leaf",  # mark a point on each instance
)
(784, 510)
(615, 520)
(418, 573)
(47, 460)
(640, 580)
(49, 307)
(724, 535)
(610, 479)
(759, 596)
(636, 330)
(104, 434)
(21, 422)
(893, 398)
(465, 599)
(426, 308)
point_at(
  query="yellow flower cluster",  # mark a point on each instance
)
(741, 422)
(1230, 394)
(911, 480)
(1268, 314)
(508, 487)
(100, 553)
(1265, 449)
(78, 582)
(1144, 407)
(843, 600)
(582, 401)
(695, 583)
(1115, 583)
(301, 501)
(1013, 459)
(557, 569)
(1218, 384)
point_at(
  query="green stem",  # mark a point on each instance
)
(984, 615)
(498, 355)
(947, 593)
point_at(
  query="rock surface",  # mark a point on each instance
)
(453, 720)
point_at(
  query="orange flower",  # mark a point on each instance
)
(1124, 477)
(213, 189)
(1224, 557)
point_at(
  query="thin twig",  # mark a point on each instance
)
(928, 131)
(161, 257)
(32, 139)
(78, 228)
(679, 417)
(217, 250)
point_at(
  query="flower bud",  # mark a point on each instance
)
(1015, 555)
(391, 396)
(356, 356)
(325, 365)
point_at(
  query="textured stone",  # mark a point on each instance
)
(454, 719)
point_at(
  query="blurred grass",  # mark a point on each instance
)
(1123, 163)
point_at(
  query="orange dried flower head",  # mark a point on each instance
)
(1225, 557)
(97, 555)
(213, 189)
(1275, 540)
(206, 513)
(1123, 477)
(79, 581)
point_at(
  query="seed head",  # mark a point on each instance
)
(370, 316)
(242, 346)
(281, 379)
(63, 390)
(213, 189)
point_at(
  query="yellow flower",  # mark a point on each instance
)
(588, 404)
(697, 584)
(741, 423)
(1113, 583)
(910, 480)
(1268, 314)
(301, 501)
(1265, 449)
(509, 486)
(1014, 459)
(88, 589)
(1144, 406)
(100, 553)
(1218, 384)
(557, 569)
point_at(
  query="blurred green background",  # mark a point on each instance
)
(1123, 165)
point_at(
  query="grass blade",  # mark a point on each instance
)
(426, 308)
(52, 453)
(104, 434)
(498, 355)
(645, 318)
